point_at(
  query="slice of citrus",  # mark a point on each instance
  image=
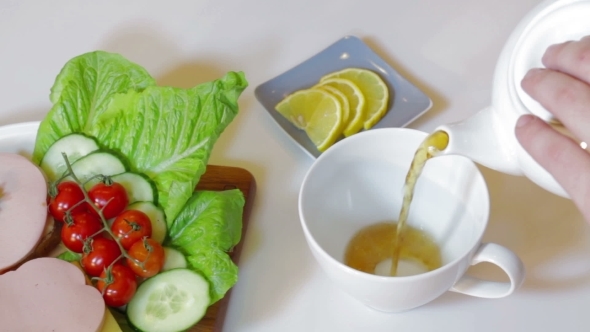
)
(341, 98)
(373, 88)
(317, 112)
(356, 102)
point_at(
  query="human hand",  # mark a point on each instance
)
(563, 88)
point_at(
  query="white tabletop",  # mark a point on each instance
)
(446, 47)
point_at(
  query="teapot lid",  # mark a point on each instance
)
(559, 22)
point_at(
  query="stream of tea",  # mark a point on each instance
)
(380, 248)
(435, 142)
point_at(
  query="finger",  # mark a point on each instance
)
(560, 156)
(572, 58)
(567, 98)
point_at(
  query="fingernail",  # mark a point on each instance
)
(524, 120)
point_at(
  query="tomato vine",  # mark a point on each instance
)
(109, 252)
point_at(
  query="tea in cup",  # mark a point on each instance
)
(355, 189)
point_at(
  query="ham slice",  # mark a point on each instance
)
(48, 294)
(23, 208)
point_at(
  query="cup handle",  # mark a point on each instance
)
(500, 256)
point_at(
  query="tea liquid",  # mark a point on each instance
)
(370, 250)
(407, 243)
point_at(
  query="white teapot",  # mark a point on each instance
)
(488, 136)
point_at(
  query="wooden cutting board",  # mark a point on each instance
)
(224, 178)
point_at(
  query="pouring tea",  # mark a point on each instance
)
(489, 137)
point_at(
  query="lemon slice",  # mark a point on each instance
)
(317, 112)
(356, 102)
(341, 98)
(373, 88)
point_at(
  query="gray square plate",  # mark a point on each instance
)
(406, 102)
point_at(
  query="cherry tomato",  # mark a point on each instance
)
(83, 226)
(150, 253)
(68, 195)
(102, 253)
(131, 226)
(111, 198)
(117, 285)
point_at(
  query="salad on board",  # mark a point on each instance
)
(122, 157)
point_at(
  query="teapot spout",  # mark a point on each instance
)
(482, 139)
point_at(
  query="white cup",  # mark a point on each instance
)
(359, 181)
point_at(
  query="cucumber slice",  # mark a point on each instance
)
(157, 217)
(173, 259)
(75, 146)
(138, 187)
(171, 301)
(99, 162)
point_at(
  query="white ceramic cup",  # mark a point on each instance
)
(359, 181)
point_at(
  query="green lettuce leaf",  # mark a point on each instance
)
(69, 256)
(216, 266)
(82, 92)
(166, 133)
(210, 225)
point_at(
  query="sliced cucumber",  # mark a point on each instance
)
(173, 259)
(156, 216)
(137, 186)
(171, 301)
(98, 162)
(75, 146)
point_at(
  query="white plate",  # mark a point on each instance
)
(19, 138)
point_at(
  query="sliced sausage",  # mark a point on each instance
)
(48, 294)
(23, 208)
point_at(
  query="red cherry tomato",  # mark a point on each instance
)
(83, 226)
(117, 285)
(131, 226)
(68, 195)
(102, 253)
(112, 199)
(150, 253)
